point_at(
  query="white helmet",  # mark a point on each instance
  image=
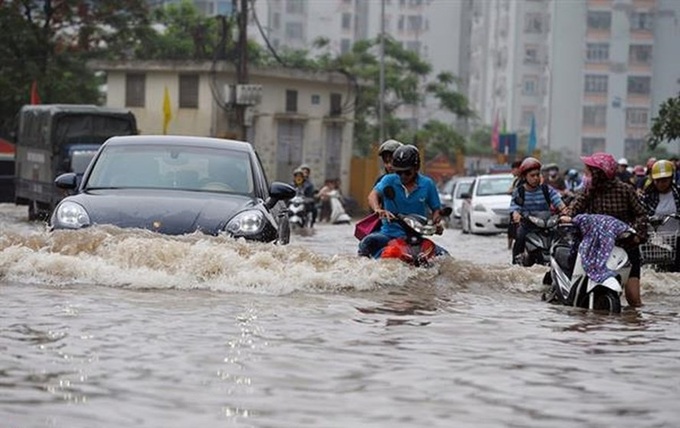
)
(623, 162)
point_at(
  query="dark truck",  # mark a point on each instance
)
(58, 138)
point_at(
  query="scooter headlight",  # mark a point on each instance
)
(414, 224)
(71, 215)
(246, 223)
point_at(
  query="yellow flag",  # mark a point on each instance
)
(167, 111)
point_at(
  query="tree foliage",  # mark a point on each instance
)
(50, 41)
(666, 126)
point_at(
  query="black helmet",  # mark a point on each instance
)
(389, 146)
(405, 158)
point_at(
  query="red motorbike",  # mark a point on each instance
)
(414, 248)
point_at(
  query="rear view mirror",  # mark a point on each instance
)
(68, 181)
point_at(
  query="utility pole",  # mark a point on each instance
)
(242, 62)
(382, 72)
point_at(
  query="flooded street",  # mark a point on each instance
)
(107, 327)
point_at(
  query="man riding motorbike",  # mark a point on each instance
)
(530, 197)
(386, 151)
(662, 198)
(413, 193)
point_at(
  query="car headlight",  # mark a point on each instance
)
(479, 207)
(72, 216)
(246, 223)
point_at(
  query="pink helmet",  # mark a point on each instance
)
(602, 161)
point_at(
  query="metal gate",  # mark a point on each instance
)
(288, 149)
(333, 150)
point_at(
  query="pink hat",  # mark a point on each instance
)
(603, 161)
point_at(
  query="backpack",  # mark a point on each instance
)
(521, 192)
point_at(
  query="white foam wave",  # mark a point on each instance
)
(141, 259)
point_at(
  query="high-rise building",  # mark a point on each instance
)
(592, 72)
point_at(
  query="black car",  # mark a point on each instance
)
(176, 185)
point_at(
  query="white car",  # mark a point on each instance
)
(460, 188)
(487, 208)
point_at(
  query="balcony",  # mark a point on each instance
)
(599, 4)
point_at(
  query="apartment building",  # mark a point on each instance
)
(432, 28)
(591, 72)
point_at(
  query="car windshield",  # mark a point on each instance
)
(447, 187)
(494, 185)
(462, 187)
(172, 167)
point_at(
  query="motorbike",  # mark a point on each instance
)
(299, 215)
(538, 239)
(660, 250)
(414, 248)
(338, 214)
(569, 283)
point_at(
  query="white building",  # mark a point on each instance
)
(299, 119)
(593, 72)
(430, 27)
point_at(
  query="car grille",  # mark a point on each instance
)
(501, 211)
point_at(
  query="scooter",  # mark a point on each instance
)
(570, 284)
(538, 240)
(299, 216)
(661, 248)
(414, 248)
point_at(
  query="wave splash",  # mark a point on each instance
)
(139, 259)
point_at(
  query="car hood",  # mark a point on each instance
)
(493, 201)
(170, 212)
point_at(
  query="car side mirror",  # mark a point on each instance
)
(68, 181)
(279, 191)
(446, 211)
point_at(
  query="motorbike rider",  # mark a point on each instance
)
(414, 193)
(307, 171)
(663, 198)
(304, 188)
(533, 198)
(386, 151)
(605, 194)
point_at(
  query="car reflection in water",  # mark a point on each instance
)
(176, 185)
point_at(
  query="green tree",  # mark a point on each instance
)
(666, 126)
(480, 142)
(50, 42)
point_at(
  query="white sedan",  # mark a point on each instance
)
(487, 207)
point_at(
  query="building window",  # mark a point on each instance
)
(595, 116)
(291, 101)
(599, 20)
(224, 8)
(637, 117)
(294, 30)
(188, 91)
(640, 54)
(639, 85)
(595, 84)
(346, 21)
(316, 99)
(531, 54)
(597, 52)
(276, 20)
(345, 46)
(295, 6)
(632, 147)
(413, 46)
(135, 89)
(533, 23)
(336, 105)
(530, 85)
(415, 23)
(527, 114)
(400, 23)
(592, 145)
(641, 21)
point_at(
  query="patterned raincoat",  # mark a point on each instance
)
(599, 233)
